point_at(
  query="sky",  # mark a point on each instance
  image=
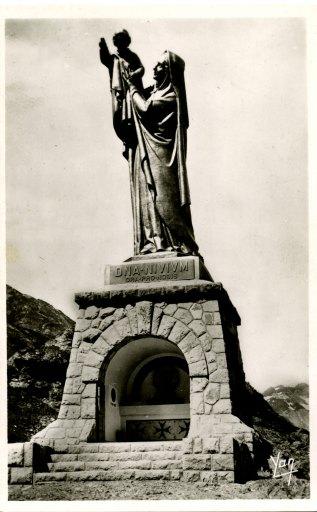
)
(67, 184)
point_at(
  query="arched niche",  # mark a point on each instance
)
(146, 392)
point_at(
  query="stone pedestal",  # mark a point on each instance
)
(196, 315)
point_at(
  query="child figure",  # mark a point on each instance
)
(123, 63)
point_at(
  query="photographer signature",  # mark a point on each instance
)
(283, 467)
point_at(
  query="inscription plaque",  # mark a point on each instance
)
(148, 271)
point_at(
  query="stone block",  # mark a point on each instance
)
(198, 445)
(93, 457)
(215, 331)
(68, 386)
(73, 355)
(211, 393)
(218, 346)
(78, 385)
(111, 336)
(224, 391)
(89, 391)
(157, 455)
(88, 408)
(106, 322)
(116, 447)
(222, 462)
(82, 325)
(223, 406)
(73, 412)
(195, 354)
(93, 359)
(156, 319)
(144, 314)
(123, 328)
(198, 369)
(191, 476)
(70, 399)
(125, 456)
(219, 375)
(210, 357)
(196, 462)
(91, 312)
(197, 404)
(198, 327)
(134, 464)
(166, 325)
(188, 343)
(15, 454)
(178, 332)
(222, 361)
(197, 311)
(183, 315)
(119, 314)
(100, 464)
(90, 374)
(170, 309)
(96, 323)
(73, 370)
(227, 476)
(49, 477)
(131, 314)
(28, 454)
(73, 432)
(217, 318)
(101, 346)
(187, 445)
(211, 306)
(77, 339)
(80, 313)
(209, 477)
(198, 384)
(206, 342)
(226, 444)
(153, 474)
(21, 475)
(208, 318)
(211, 445)
(91, 335)
(175, 474)
(104, 312)
(166, 464)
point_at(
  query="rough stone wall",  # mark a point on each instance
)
(197, 328)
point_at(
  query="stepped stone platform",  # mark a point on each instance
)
(188, 460)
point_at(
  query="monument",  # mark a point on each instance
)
(155, 378)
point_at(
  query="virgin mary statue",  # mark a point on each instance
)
(157, 160)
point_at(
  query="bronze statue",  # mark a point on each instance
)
(152, 123)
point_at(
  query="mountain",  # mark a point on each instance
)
(275, 433)
(291, 402)
(39, 343)
(39, 340)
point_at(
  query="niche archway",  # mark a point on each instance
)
(146, 397)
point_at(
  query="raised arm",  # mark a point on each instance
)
(104, 53)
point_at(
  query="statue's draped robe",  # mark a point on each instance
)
(161, 197)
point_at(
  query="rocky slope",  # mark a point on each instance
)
(39, 342)
(291, 402)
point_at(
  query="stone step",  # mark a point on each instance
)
(84, 476)
(146, 464)
(149, 446)
(115, 456)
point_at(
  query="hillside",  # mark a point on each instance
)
(39, 341)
